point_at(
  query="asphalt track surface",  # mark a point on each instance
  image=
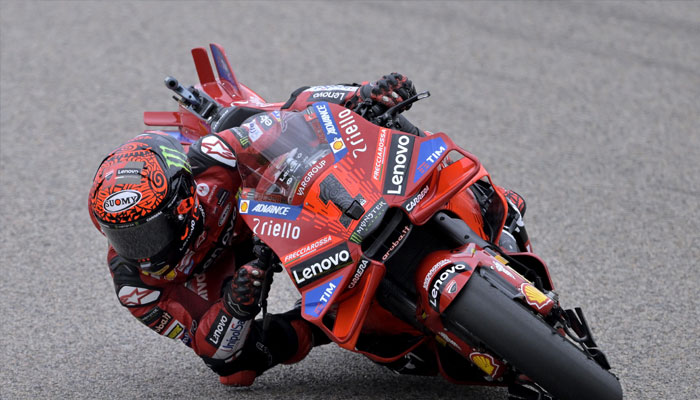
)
(590, 110)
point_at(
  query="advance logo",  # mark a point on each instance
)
(330, 129)
(269, 209)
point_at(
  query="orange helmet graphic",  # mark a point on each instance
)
(143, 199)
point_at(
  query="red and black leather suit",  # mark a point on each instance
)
(186, 304)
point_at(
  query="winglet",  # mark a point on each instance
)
(224, 68)
(203, 66)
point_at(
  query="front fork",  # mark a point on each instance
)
(442, 275)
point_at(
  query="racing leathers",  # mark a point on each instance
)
(196, 301)
(186, 304)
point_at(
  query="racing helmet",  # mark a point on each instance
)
(143, 200)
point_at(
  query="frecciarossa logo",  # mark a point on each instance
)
(321, 265)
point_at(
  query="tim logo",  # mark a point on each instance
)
(429, 153)
(120, 201)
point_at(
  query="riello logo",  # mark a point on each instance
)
(120, 201)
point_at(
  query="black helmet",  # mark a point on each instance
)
(143, 199)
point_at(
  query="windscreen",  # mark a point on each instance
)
(284, 153)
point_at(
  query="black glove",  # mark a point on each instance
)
(388, 91)
(242, 296)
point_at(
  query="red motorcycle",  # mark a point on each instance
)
(387, 234)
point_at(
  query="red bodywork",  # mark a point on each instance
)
(387, 169)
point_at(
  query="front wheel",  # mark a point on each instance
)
(526, 342)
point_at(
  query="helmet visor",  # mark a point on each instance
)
(145, 240)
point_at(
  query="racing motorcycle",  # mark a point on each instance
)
(387, 234)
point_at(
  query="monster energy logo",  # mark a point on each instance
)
(355, 238)
(175, 158)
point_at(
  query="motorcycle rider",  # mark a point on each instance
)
(181, 260)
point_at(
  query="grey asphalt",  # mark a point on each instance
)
(590, 110)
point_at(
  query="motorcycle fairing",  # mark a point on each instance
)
(374, 167)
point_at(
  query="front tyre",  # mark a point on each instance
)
(525, 341)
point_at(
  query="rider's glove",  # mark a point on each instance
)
(389, 91)
(242, 297)
(223, 119)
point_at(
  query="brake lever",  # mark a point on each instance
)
(271, 265)
(387, 119)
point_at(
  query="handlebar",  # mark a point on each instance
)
(388, 117)
(196, 101)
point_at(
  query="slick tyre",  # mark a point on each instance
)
(525, 341)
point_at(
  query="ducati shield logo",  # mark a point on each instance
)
(120, 201)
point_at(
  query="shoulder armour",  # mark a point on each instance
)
(131, 290)
(208, 151)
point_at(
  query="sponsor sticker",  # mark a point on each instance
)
(284, 230)
(221, 196)
(151, 316)
(132, 296)
(330, 129)
(351, 131)
(310, 174)
(534, 297)
(369, 221)
(485, 362)
(242, 136)
(224, 214)
(321, 265)
(130, 173)
(165, 319)
(415, 200)
(332, 96)
(176, 330)
(433, 270)
(380, 155)
(317, 299)
(218, 327)
(268, 209)
(332, 87)
(266, 121)
(399, 160)
(254, 130)
(428, 154)
(121, 201)
(502, 268)
(361, 267)
(395, 243)
(446, 274)
(307, 249)
(233, 339)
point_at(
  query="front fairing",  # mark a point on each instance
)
(317, 183)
